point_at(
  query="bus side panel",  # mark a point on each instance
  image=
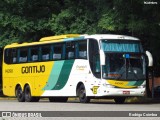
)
(51, 78)
(6, 87)
(38, 78)
(9, 74)
(33, 74)
(70, 74)
(58, 79)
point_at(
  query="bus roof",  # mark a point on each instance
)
(50, 39)
(111, 36)
(72, 37)
(58, 37)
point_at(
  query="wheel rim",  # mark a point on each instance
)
(27, 94)
(19, 93)
(82, 94)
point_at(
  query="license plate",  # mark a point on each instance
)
(126, 92)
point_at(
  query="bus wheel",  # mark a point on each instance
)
(28, 96)
(20, 94)
(119, 100)
(58, 99)
(82, 95)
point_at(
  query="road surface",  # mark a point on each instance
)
(74, 105)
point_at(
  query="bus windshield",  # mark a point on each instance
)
(124, 60)
(124, 66)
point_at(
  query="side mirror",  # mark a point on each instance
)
(102, 57)
(150, 59)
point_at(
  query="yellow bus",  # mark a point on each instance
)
(87, 66)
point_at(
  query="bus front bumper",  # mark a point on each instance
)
(121, 92)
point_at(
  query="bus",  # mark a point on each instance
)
(74, 65)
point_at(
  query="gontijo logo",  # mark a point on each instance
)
(33, 69)
(81, 67)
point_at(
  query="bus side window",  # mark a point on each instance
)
(46, 51)
(34, 54)
(57, 51)
(14, 56)
(8, 56)
(82, 52)
(70, 50)
(23, 55)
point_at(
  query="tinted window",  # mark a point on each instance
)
(10, 56)
(82, 49)
(34, 54)
(45, 51)
(23, 55)
(70, 50)
(57, 51)
(14, 56)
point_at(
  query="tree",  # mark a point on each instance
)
(25, 20)
(29, 20)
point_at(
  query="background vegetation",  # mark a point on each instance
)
(29, 20)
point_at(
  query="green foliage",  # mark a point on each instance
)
(29, 20)
(110, 22)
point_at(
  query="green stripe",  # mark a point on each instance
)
(53, 78)
(135, 83)
(131, 83)
(64, 75)
(138, 83)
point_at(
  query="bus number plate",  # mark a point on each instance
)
(126, 92)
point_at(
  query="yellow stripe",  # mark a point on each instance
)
(120, 84)
(58, 37)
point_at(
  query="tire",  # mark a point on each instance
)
(28, 96)
(82, 95)
(58, 99)
(119, 100)
(20, 94)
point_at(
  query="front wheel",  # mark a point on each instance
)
(20, 94)
(119, 100)
(82, 94)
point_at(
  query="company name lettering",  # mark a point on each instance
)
(81, 67)
(33, 69)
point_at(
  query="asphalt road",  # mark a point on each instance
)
(74, 105)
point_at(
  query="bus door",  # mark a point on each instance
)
(94, 61)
